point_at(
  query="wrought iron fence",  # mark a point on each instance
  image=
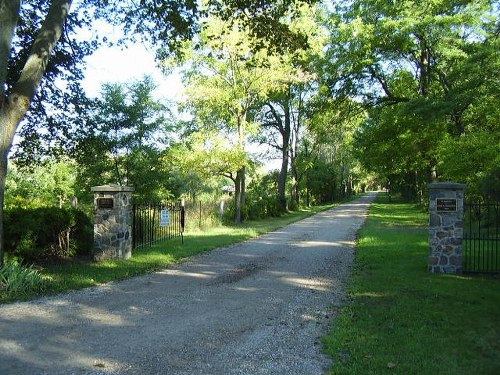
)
(481, 237)
(153, 223)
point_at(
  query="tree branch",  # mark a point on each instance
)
(34, 69)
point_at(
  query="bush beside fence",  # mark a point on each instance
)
(46, 233)
(203, 215)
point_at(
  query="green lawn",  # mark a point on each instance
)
(400, 319)
(81, 274)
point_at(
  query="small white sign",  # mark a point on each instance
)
(164, 218)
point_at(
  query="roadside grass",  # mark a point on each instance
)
(80, 274)
(399, 318)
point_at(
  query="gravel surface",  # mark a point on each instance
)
(258, 307)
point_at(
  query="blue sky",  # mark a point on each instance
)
(118, 65)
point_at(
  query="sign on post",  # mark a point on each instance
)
(105, 203)
(446, 205)
(164, 218)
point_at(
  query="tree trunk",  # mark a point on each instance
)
(239, 195)
(9, 11)
(285, 134)
(3, 175)
(282, 181)
(14, 107)
(295, 187)
(282, 122)
(240, 190)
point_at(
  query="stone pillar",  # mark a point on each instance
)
(112, 222)
(446, 210)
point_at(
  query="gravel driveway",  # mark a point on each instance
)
(258, 307)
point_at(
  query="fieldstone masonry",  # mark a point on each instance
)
(112, 222)
(446, 209)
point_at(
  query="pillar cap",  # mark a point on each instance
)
(111, 188)
(447, 186)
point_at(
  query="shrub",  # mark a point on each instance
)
(16, 280)
(203, 215)
(263, 206)
(490, 184)
(47, 232)
(293, 205)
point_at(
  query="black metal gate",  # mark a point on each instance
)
(481, 237)
(153, 223)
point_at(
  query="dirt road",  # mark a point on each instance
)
(259, 307)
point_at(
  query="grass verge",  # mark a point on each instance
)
(81, 274)
(400, 319)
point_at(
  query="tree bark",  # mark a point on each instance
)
(240, 174)
(285, 134)
(239, 195)
(14, 107)
(283, 124)
(9, 11)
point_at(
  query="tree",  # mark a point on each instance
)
(283, 113)
(332, 125)
(225, 81)
(206, 154)
(42, 132)
(281, 121)
(15, 104)
(167, 24)
(411, 66)
(125, 135)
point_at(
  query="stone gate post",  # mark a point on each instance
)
(446, 217)
(112, 222)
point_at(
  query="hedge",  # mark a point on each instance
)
(47, 233)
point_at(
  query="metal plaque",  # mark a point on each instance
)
(105, 203)
(446, 204)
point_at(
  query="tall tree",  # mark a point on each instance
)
(15, 104)
(225, 80)
(282, 115)
(281, 120)
(205, 156)
(126, 131)
(332, 125)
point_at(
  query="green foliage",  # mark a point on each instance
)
(490, 184)
(325, 170)
(167, 24)
(51, 183)
(263, 198)
(47, 233)
(394, 144)
(17, 281)
(205, 154)
(479, 167)
(203, 214)
(126, 133)
(229, 212)
(321, 182)
(428, 76)
(225, 80)
(52, 113)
